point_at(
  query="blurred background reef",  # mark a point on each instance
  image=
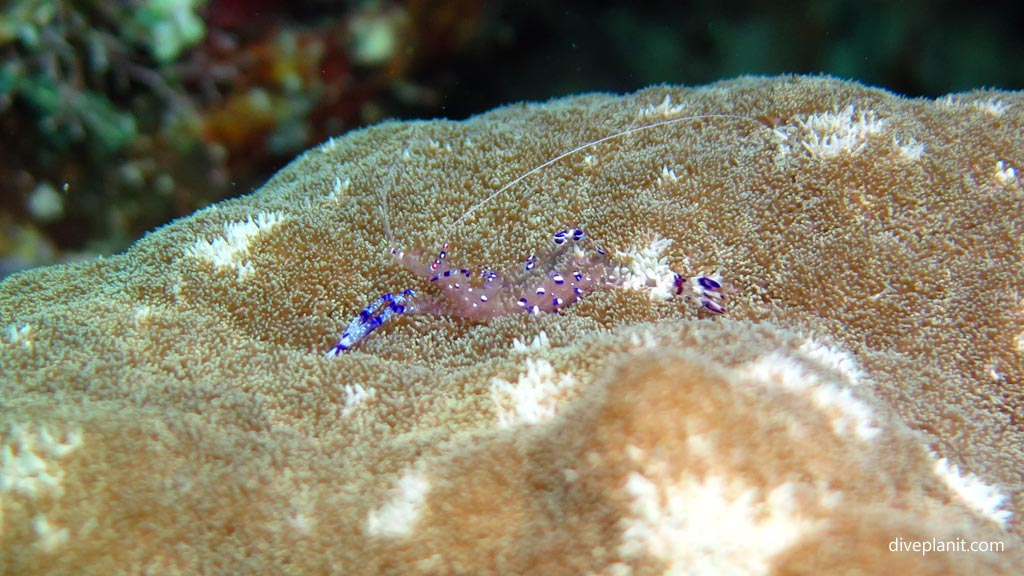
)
(118, 116)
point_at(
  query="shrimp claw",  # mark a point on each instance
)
(371, 318)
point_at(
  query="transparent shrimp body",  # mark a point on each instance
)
(543, 284)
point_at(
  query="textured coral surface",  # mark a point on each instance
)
(170, 410)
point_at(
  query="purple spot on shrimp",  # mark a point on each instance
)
(708, 283)
(678, 282)
(540, 291)
(713, 306)
(558, 278)
(577, 234)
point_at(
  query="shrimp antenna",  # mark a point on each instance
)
(590, 144)
(387, 225)
(382, 195)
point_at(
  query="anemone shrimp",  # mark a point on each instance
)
(546, 282)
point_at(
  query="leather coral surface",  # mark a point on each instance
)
(173, 409)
